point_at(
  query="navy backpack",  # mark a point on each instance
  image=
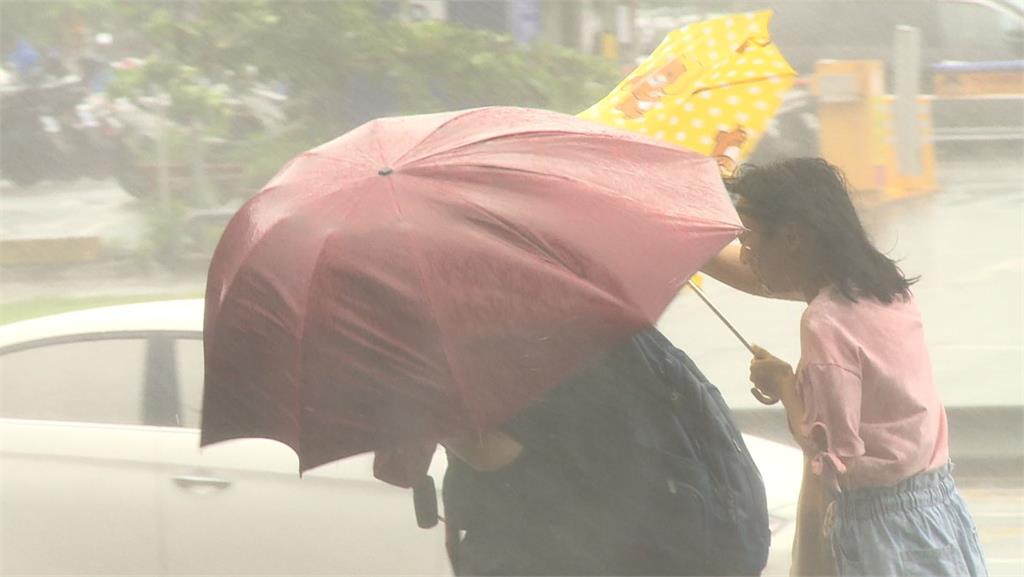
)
(633, 466)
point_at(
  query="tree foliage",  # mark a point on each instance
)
(342, 60)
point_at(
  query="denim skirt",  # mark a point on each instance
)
(919, 527)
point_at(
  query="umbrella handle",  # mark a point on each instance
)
(763, 398)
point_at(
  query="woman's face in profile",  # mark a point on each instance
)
(767, 254)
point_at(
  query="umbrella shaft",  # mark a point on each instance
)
(715, 310)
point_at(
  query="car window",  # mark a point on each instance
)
(189, 360)
(809, 30)
(94, 381)
(861, 25)
(974, 31)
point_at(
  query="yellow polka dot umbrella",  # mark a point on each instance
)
(711, 87)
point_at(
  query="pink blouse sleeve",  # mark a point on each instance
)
(830, 428)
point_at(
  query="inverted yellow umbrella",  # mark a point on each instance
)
(711, 87)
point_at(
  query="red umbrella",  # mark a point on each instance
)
(426, 277)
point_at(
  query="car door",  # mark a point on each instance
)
(77, 484)
(240, 507)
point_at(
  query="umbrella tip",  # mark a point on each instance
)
(385, 171)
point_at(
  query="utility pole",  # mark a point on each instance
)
(906, 109)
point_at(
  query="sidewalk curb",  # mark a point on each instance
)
(72, 249)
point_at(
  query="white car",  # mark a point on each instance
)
(101, 470)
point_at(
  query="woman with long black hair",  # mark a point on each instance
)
(878, 497)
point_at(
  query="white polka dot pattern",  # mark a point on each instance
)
(710, 78)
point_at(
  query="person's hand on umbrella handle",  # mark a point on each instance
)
(490, 451)
(770, 376)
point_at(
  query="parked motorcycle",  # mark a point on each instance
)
(55, 130)
(206, 162)
(793, 131)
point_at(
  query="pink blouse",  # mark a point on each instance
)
(872, 412)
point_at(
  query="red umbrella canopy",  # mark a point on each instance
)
(426, 277)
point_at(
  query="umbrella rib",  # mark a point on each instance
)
(304, 323)
(227, 282)
(375, 131)
(633, 138)
(319, 154)
(686, 217)
(465, 393)
(229, 276)
(514, 135)
(743, 82)
(303, 318)
(433, 131)
(538, 241)
(610, 297)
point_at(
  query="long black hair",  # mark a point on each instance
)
(813, 194)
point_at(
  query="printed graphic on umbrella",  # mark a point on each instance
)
(711, 86)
